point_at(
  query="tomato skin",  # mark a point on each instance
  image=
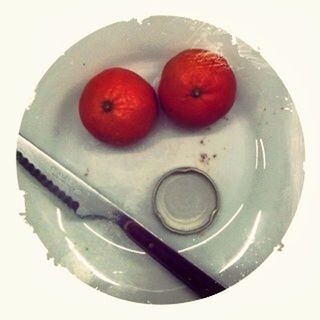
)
(197, 88)
(118, 107)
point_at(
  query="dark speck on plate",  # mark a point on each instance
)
(204, 158)
(280, 246)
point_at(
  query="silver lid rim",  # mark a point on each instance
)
(185, 170)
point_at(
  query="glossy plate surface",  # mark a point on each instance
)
(254, 155)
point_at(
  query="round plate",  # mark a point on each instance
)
(255, 156)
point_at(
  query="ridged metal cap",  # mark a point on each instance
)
(186, 200)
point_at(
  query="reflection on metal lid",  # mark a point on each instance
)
(185, 200)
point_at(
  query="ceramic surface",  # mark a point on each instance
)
(255, 156)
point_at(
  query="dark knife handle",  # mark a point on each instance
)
(197, 280)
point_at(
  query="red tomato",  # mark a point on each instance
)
(118, 107)
(197, 88)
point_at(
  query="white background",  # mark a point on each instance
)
(35, 33)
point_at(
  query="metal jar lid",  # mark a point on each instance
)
(186, 200)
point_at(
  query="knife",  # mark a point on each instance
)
(86, 201)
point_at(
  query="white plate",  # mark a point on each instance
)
(255, 157)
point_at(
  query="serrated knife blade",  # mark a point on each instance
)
(68, 187)
(87, 201)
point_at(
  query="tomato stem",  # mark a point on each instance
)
(107, 105)
(196, 93)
